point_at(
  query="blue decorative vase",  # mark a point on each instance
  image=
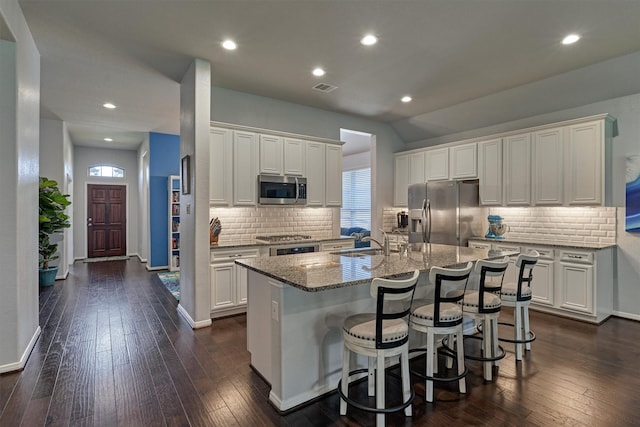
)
(48, 276)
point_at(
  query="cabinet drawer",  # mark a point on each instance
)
(579, 257)
(479, 245)
(332, 246)
(232, 254)
(545, 253)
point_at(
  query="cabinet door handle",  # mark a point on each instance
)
(574, 256)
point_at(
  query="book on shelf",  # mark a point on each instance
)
(175, 226)
(175, 209)
(175, 196)
(176, 261)
(175, 243)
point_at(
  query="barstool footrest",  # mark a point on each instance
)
(500, 356)
(438, 379)
(532, 335)
(366, 408)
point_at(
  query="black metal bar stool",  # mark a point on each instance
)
(518, 296)
(380, 335)
(442, 317)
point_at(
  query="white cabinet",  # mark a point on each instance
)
(315, 164)
(584, 163)
(548, 167)
(220, 167)
(517, 169)
(245, 168)
(401, 180)
(174, 223)
(333, 177)
(229, 281)
(417, 168)
(479, 245)
(337, 245)
(271, 155)
(511, 275)
(294, 162)
(542, 289)
(463, 161)
(576, 281)
(437, 164)
(490, 172)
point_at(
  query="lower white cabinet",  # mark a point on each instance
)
(576, 283)
(336, 245)
(229, 282)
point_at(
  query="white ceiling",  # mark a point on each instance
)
(467, 63)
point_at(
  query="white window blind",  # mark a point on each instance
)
(356, 199)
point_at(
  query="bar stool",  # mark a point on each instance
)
(380, 335)
(518, 296)
(483, 305)
(442, 317)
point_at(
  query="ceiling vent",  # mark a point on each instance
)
(323, 87)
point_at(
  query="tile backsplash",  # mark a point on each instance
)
(566, 224)
(390, 218)
(246, 223)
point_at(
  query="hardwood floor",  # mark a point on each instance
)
(114, 352)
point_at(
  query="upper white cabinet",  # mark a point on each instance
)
(315, 162)
(436, 164)
(220, 166)
(584, 164)
(271, 155)
(517, 169)
(401, 181)
(333, 177)
(245, 168)
(463, 161)
(417, 168)
(294, 162)
(490, 172)
(547, 174)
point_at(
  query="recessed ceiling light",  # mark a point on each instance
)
(109, 105)
(229, 44)
(369, 40)
(318, 72)
(406, 98)
(570, 39)
(108, 139)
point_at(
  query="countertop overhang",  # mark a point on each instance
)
(555, 244)
(329, 270)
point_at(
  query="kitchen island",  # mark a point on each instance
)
(297, 304)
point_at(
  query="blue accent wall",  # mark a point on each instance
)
(164, 160)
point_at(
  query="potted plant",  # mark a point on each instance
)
(52, 220)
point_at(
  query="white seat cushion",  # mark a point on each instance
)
(362, 328)
(472, 300)
(423, 315)
(510, 292)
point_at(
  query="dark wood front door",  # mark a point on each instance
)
(106, 220)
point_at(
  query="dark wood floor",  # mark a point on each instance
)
(114, 351)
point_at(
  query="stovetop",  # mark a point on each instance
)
(283, 238)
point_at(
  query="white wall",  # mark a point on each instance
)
(143, 192)
(89, 156)
(19, 129)
(56, 162)
(627, 111)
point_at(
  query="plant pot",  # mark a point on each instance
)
(48, 276)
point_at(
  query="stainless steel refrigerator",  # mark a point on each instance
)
(445, 212)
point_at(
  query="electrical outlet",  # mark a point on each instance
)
(274, 310)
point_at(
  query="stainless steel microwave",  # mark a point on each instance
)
(282, 190)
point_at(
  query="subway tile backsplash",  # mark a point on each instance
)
(572, 225)
(246, 223)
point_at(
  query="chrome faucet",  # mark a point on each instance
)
(384, 246)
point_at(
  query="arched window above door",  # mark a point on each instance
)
(106, 171)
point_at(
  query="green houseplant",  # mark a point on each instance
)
(52, 220)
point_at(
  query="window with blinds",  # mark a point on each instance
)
(356, 199)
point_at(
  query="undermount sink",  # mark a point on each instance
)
(360, 252)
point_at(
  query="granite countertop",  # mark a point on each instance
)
(556, 244)
(240, 243)
(328, 270)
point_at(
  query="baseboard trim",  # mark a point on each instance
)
(629, 316)
(161, 267)
(139, 257)
(19, 365)
(193, 323)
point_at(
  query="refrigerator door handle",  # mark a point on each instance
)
(428, 221)
(423, 220)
